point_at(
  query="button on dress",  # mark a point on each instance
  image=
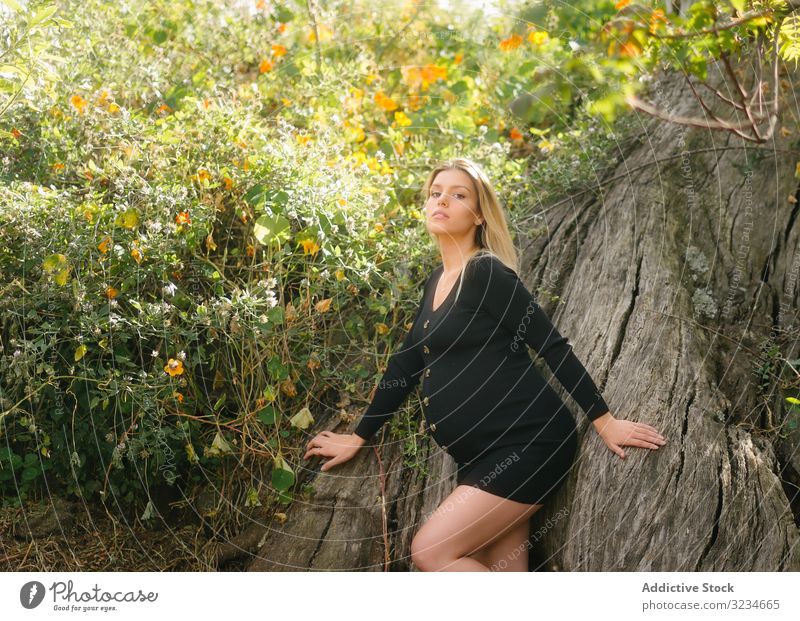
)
(483, 399)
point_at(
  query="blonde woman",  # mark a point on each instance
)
(513, 439)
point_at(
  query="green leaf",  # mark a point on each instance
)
(53, 262)
(282, 474)
(13, 5)
(29, 474)
(42, 14)
(149, 511)
(252, 498)
(269, 229)
(302, 419)
(255, 196)
(267, 415)
(218, 447)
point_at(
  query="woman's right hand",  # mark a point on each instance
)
(340, 447)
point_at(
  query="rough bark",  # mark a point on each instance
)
(673, 277)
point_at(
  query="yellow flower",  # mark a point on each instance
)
(538, 37)
(325, 33)
(174, 367)
(402, 119)
(111, 293)
(309, 246)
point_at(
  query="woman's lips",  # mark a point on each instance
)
(440, 216)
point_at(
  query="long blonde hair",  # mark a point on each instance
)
(492, 236)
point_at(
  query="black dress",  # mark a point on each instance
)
(484, 401)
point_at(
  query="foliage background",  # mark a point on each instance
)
(211, 228)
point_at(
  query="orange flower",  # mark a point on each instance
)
(183, 218)
(111, 293)
(515, 134)
(78, 102)
(16, 133)
(278, 50)
(281, 27)
(265, 65)
(174, 367)
(630, 48)
(178, 396)
(513, 42)
(385, 102)
(431, 73)
(103, 245)
(228, 182)
(202, 175)
(136, 253)
(163, 108)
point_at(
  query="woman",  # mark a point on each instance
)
(485, 403)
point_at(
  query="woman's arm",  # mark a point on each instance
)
(402, 374)
(507, 299)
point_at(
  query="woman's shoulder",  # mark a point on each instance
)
(486, 266)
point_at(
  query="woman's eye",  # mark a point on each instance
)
(461, 196)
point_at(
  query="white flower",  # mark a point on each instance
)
(181, 355)
(170, 288)
(154, 353)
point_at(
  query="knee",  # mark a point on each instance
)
(425, 554)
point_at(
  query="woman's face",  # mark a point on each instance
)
(452, 205)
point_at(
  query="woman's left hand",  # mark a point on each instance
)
(618, 433)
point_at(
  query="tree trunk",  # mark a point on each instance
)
(671, 291)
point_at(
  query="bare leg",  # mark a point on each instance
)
(467, 520)
(507, 553)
